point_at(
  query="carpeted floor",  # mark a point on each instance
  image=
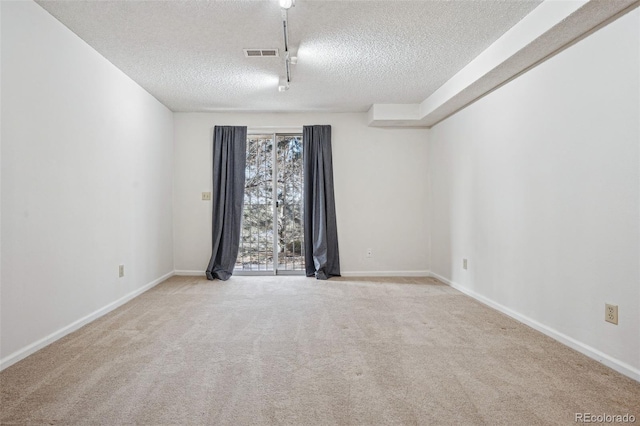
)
(293, 350)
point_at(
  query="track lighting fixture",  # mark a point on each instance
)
(288, 59)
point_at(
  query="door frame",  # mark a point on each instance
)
(273, 131)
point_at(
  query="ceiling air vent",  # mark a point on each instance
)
(265, 53)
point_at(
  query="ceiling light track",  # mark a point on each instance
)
(285, 5)
(285, 28)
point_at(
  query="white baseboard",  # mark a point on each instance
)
(385, 274)
(615, 364)
(187, 273)
(36, 346)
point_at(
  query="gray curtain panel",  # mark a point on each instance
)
(322, 259)
(229, 159)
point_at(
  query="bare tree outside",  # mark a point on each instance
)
(257, 243)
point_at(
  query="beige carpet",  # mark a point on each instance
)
(292, 350)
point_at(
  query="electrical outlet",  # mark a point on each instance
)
(206, 196)
(611, 313)
(369, 252)
(121, 271)
(464, 263)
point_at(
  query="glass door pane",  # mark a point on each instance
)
(256, 244)
(289, 203)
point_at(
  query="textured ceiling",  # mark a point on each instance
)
(351, 54)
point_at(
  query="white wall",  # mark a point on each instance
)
(86, 182)
(380, 186)
(537, 184)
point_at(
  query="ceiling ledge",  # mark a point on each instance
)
(548, 29)
(394, 115)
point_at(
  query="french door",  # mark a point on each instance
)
(272, 230)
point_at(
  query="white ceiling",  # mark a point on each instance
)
(351, 54)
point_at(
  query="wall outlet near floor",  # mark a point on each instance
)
(464, 263)
(121, 271)
(611, 313)
(369, 252)
(206, 196)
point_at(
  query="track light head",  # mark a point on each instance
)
(283, 84)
